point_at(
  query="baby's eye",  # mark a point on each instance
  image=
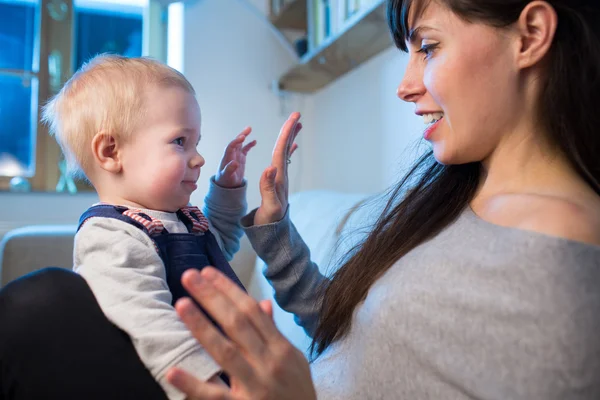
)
(179, 141)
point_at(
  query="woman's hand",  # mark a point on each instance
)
(260, 362)
(233, 164)
(274, 180)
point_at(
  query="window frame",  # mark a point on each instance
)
(59, 35)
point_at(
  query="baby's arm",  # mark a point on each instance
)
(123, 269)
(225, 203)
(224, 208)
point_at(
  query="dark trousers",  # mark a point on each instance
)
(56, 343)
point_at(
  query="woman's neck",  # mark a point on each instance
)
(527, 164)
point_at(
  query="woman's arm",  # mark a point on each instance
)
(297, 281)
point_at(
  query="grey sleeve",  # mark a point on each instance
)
(121, 266)
(297, 281)
(224, 208)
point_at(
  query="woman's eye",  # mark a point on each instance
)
(427, 49)
(178, 141)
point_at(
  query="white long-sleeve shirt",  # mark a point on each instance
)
(121, 265)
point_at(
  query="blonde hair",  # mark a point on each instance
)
(105, 95)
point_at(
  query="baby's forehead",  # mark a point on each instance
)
(173, 107)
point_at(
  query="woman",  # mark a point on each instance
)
(481, 282)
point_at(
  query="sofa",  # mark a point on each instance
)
(328, 221)
(27, 249)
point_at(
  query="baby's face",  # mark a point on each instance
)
(161, 163)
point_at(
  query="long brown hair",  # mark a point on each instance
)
(432, 195)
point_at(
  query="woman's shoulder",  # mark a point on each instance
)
(572, 219)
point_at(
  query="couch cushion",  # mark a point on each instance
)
(30, 248)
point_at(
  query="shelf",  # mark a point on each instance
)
(363, 37)
(291, 16)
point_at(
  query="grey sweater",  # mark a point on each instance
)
(478, 312)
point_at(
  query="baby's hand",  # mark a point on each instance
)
(233, 164)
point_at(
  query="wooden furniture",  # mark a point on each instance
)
(356, 40)
(291, 15)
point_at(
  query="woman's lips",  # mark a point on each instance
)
(429, 131)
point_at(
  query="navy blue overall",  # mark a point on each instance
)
(178, 251)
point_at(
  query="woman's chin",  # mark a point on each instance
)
(442, 155)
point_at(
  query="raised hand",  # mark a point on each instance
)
(274, 184)
(261, 363)
(233, 164)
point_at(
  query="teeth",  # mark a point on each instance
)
(431, 118)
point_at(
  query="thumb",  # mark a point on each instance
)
(267, 184)
(267, 307)
(270, 209)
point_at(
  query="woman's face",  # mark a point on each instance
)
(463, 75)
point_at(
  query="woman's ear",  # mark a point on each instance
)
(536, 29)
(105, 149)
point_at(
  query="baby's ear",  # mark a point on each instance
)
(105, 150)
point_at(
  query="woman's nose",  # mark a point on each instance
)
(411, 87)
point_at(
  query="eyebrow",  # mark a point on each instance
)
(189, 131)
(415, 33)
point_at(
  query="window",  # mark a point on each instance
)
(107, 27)
(41, 43)
(19, 87)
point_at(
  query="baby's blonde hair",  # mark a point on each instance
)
(105, 95)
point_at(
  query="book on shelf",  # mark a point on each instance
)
(331, 16)
(327, 19)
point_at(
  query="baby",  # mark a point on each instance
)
(131, 126)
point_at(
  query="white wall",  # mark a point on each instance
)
(357, 134)
(231, 56)
(364, 135)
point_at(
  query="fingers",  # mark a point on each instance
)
(221, 349)
(220, 307)
(281, 178)
(239, 315)
(239, 139)
(241, 301)
(243, 134)
(196, 389)
(230, 168)
(283, 143)
(248, 147)
(291, 141)
(236, 144)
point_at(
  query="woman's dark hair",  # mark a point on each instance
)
(433, 195)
